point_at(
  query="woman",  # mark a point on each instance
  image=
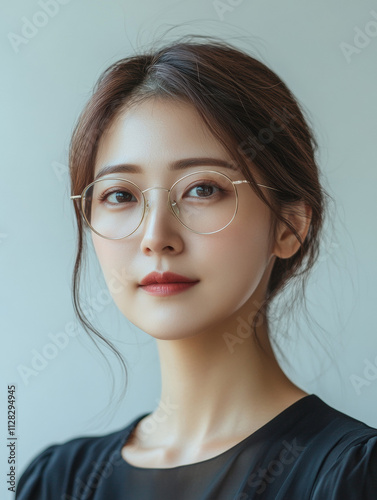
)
(194, 168)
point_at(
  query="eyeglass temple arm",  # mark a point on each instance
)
(248, 182)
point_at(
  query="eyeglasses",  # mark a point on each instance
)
(204, 201)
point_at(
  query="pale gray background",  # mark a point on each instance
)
(44, 87)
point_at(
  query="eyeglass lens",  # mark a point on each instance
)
(204, 202)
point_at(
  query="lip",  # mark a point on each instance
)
(164, 284)
(165, 278)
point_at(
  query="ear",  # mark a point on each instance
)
(299, 215)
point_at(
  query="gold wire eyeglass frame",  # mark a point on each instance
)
(170, 203)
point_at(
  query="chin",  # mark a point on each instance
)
(168, 330)
(169, 335)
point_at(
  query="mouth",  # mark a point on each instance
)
(166, 283)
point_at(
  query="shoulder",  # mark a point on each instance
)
(350, 471)
(347, 452)
(57, 469)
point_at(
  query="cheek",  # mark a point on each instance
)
(115, 260)
(240, 255)
(245, 242)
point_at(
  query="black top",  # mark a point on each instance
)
(308, 451)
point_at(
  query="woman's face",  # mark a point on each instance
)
(228, 265)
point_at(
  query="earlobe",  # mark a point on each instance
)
(286, 244)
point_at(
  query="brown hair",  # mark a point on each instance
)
(249, 110)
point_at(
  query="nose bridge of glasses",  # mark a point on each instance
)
(148, 205)
(155, 187)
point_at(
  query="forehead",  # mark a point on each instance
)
(156, 132)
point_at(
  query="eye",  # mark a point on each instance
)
(204, 190)
(117, 197)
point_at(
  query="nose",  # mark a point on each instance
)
(161, 230)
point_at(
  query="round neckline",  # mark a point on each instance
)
(253, 436)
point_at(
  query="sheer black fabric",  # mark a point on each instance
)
(308, 451)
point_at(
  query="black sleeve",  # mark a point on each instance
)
(352, 475)
(31, 485)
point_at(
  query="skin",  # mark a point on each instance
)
(213, 394)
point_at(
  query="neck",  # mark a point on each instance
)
(220, 382)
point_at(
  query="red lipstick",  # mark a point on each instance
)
(166, 283)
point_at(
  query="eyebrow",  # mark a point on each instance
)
(175, 165)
